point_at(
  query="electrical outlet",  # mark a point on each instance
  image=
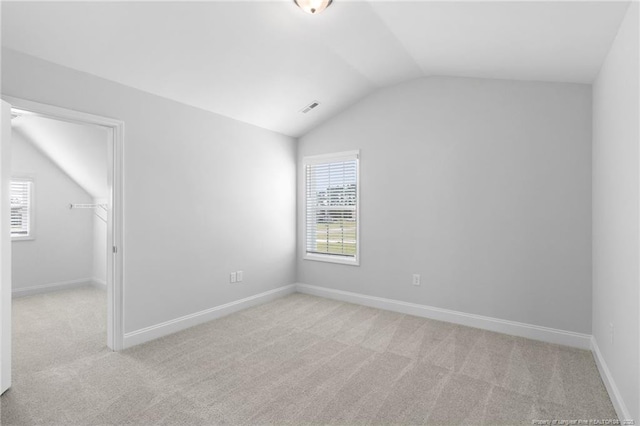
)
(239, 276)
(233, 277)
(416, 279)
(611, 331)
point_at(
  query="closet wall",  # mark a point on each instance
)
(67, 163)
(61, 251)
(100, 245)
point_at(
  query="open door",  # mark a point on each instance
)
(5, 248)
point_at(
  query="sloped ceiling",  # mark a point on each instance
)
(262, 62)
(79, 150)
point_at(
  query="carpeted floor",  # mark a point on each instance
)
(297, 360)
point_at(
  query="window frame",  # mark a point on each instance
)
(323, 159)
(32, 230)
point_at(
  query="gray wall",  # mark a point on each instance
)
(204, 195)
(616, 197)
(62, 248)
(100, 251)
(481, 186)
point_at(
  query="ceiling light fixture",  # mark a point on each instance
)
(313, 6)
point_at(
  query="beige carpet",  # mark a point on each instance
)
(297, 360)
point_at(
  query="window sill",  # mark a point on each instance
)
(332, 259)
(22, 239)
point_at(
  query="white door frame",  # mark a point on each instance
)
(115, 182)
(5, 250)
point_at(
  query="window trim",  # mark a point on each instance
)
(32, 207)
(328, 158)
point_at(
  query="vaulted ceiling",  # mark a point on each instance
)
(262, 62)
(79, 150)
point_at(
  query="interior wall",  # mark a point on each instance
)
(481, 186)
(61, 250)
(100, 251)
(616, 198)
(204, 195)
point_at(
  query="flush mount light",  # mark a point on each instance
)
(313, 6)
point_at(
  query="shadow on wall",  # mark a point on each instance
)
(68, 245)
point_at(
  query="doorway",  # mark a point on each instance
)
(92, 200)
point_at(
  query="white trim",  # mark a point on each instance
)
(98, 283)
(331, 157)
(333, 258)
(47, 288)
(115, 216)
(169, 327)
(328, 158)
(35, 108)
(529, 331)
(5, 248)
(614, 394)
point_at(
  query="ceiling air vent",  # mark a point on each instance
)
(309, 107)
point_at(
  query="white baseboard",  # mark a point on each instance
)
(98, 283)
(530, 331)
(169, 327)
(46, 288)
(610, 384)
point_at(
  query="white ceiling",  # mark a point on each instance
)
(79, 150)
(262, 62)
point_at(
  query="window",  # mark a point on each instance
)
(331, 208)
(21, 209)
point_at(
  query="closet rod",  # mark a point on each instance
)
(87, 206)
(91, 206)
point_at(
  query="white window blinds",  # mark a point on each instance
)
(331, 199)
(21, 207)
